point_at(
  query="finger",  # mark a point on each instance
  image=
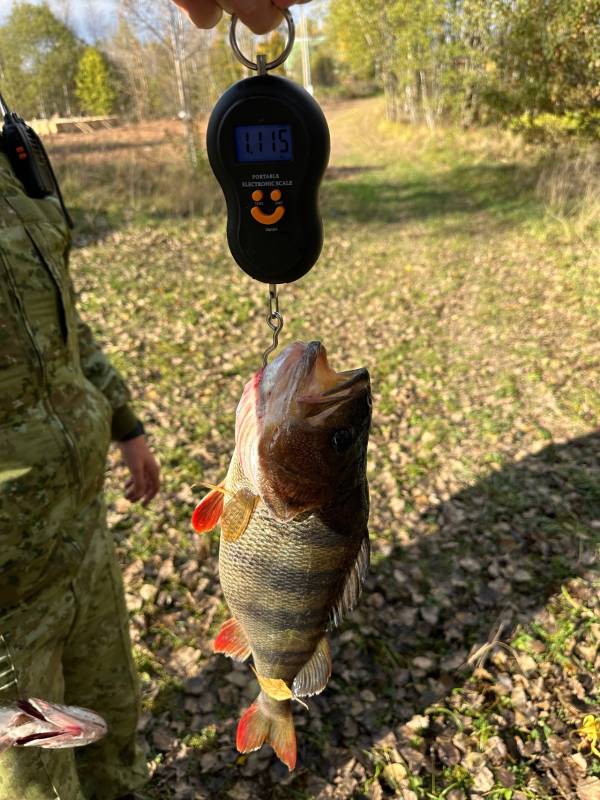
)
(260, 16)
(133, 494)
(152, 482)
(137, 489)
(203, 13)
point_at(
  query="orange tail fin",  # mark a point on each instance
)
(269, 721)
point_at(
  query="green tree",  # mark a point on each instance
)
(38, 60)
(477, 59)
(552, 66)
(411, 47)
(95, 86)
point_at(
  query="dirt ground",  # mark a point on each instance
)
(469, 669)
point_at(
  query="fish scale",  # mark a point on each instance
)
(300, 597)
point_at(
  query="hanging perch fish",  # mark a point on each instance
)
(294, 549)
(38, 723)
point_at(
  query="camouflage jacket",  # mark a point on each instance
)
(59, 397)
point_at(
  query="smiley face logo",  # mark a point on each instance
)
(257, 212)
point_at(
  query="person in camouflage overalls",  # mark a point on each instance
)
(63, 620)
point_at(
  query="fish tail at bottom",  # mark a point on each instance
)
(270, 721)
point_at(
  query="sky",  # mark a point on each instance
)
(92, 19)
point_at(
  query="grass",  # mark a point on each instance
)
(460, 272)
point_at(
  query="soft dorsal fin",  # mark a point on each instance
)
(314, 675)
(208, 511)
(237, 514)
(350, 592)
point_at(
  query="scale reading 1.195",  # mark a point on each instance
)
(268, 145)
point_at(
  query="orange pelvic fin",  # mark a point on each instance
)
(208, 511)
(258, 726)
(232, 641)
(237, 514)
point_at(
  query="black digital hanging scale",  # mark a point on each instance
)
(268, 146)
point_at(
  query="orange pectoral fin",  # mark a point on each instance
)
(208, 511)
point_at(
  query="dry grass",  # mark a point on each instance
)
(131, 173)
(569, 184)
(139, 172)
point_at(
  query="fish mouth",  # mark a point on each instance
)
(36, 737)
(61, 726)
(31, 708)
(300, 383)
(323, 384)
(34, 708)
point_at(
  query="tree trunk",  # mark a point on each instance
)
(390, 89)
(181, 79)
(426, 105)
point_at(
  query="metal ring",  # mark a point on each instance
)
(275, 321)
(276, 61)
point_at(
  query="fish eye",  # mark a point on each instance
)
(341, 440)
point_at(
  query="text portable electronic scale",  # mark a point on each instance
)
(268, 146)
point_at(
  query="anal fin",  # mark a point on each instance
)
(315, 674)
(232, 641)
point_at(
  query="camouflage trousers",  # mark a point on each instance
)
(70, 644)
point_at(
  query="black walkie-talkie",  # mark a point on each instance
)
(28, 159)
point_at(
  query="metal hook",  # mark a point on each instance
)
(274, 321)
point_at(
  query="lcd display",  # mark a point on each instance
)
(263, 143)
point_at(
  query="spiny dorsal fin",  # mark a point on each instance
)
(232, 641)
(348, 597)
(237, 514)
(314, 675)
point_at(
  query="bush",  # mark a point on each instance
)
(556, 128)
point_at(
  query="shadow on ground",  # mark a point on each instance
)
(493, 553)
(118, 193)
(502, 190)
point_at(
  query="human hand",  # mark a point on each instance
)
(144, 480)
(261, 16)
